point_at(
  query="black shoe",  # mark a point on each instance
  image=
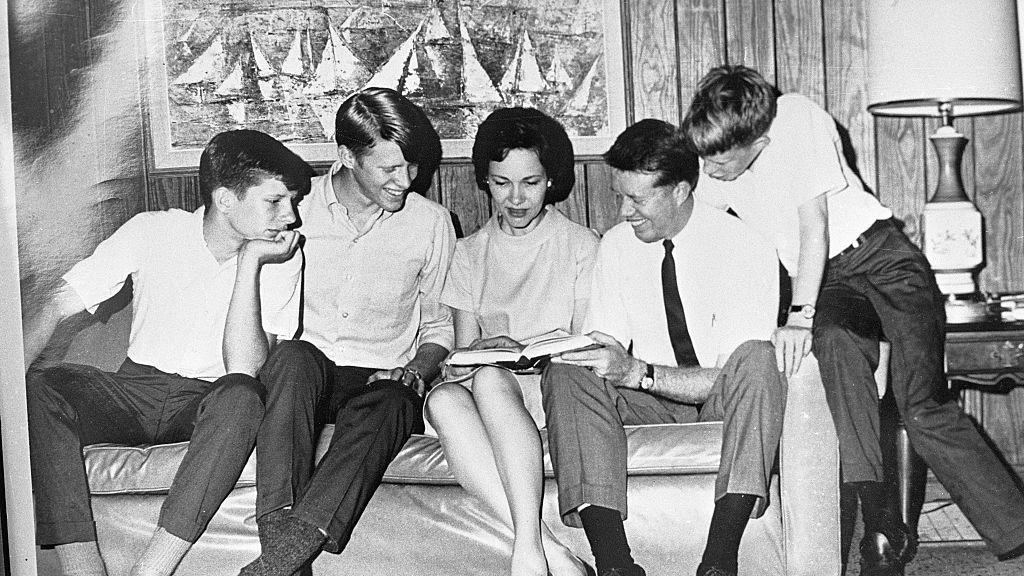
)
(703, 570)
(886, 553)
(634, 570)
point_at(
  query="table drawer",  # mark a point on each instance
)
(984, 356)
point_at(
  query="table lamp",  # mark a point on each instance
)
(946, 59)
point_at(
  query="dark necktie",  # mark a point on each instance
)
(677, 333)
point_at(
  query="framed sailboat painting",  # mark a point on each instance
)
(284, 67)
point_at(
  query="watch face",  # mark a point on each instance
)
(807, 311)
(647, 383)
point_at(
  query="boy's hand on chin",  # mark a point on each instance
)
(279, 249)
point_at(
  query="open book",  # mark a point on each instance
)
(533, 356)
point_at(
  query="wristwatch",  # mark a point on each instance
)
(647, 381)
(807, 310)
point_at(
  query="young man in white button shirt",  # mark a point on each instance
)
(718, 365)
(213, 290)
(373, 332)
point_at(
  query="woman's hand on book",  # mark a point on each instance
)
(495, 342)
(449, 372)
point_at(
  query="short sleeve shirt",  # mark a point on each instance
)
(803, 160)
(180, 292)
(523, 286)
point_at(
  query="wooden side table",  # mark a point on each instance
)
(987, 354)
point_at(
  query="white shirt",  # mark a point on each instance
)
(372, 299)
(523, 286)
(727, 278)
(803, 160)
(180, 292)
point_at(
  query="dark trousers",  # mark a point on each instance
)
(586, 415)
(71, 406)
(887, 281)
(305, 390)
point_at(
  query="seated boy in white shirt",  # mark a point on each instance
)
(213, 290)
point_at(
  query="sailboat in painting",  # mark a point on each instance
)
(523, 79)
(339, 73)
(457, 60)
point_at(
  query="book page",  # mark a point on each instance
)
(558, 345)
(487, 356)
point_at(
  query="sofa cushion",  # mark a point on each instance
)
(653, 450)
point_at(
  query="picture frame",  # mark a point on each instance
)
(284, 66)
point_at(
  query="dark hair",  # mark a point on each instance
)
(241, 159)
(374, 114)
(508, 129)
(733, 106)
(654, 146)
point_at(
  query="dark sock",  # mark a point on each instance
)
(874, 505)
(267, 525)
(607, 537)
(288, 544)
(732, 512)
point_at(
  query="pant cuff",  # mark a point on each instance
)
(57, 533)
(572, 497)
(267, 503)
(1008, 541)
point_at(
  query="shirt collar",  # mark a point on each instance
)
(335, 207)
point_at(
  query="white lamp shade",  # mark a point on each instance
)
(925, 52)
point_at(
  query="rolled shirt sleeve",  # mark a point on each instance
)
(281, 296)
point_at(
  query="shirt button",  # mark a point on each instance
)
(344, 314)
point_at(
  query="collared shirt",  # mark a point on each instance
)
(372, 296)
(523, 286)
(180, 292)
(727, 278)
(803, 160)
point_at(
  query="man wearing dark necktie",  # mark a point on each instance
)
(683, 301)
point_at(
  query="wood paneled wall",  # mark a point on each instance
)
(816, 47)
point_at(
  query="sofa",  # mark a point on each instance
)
(421, 522)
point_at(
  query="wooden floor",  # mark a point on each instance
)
(949, 545)
(942, 521)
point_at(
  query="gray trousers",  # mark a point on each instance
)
(305, 390)
(586, 415)
(885, 287)
(71, 406)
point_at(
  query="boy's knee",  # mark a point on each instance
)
(42, 390)
(242, 389)
(757, 352)
(289, 353)
(828, 336)
(390, 396)
(558, 378)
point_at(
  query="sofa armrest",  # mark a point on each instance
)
(809, 478)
